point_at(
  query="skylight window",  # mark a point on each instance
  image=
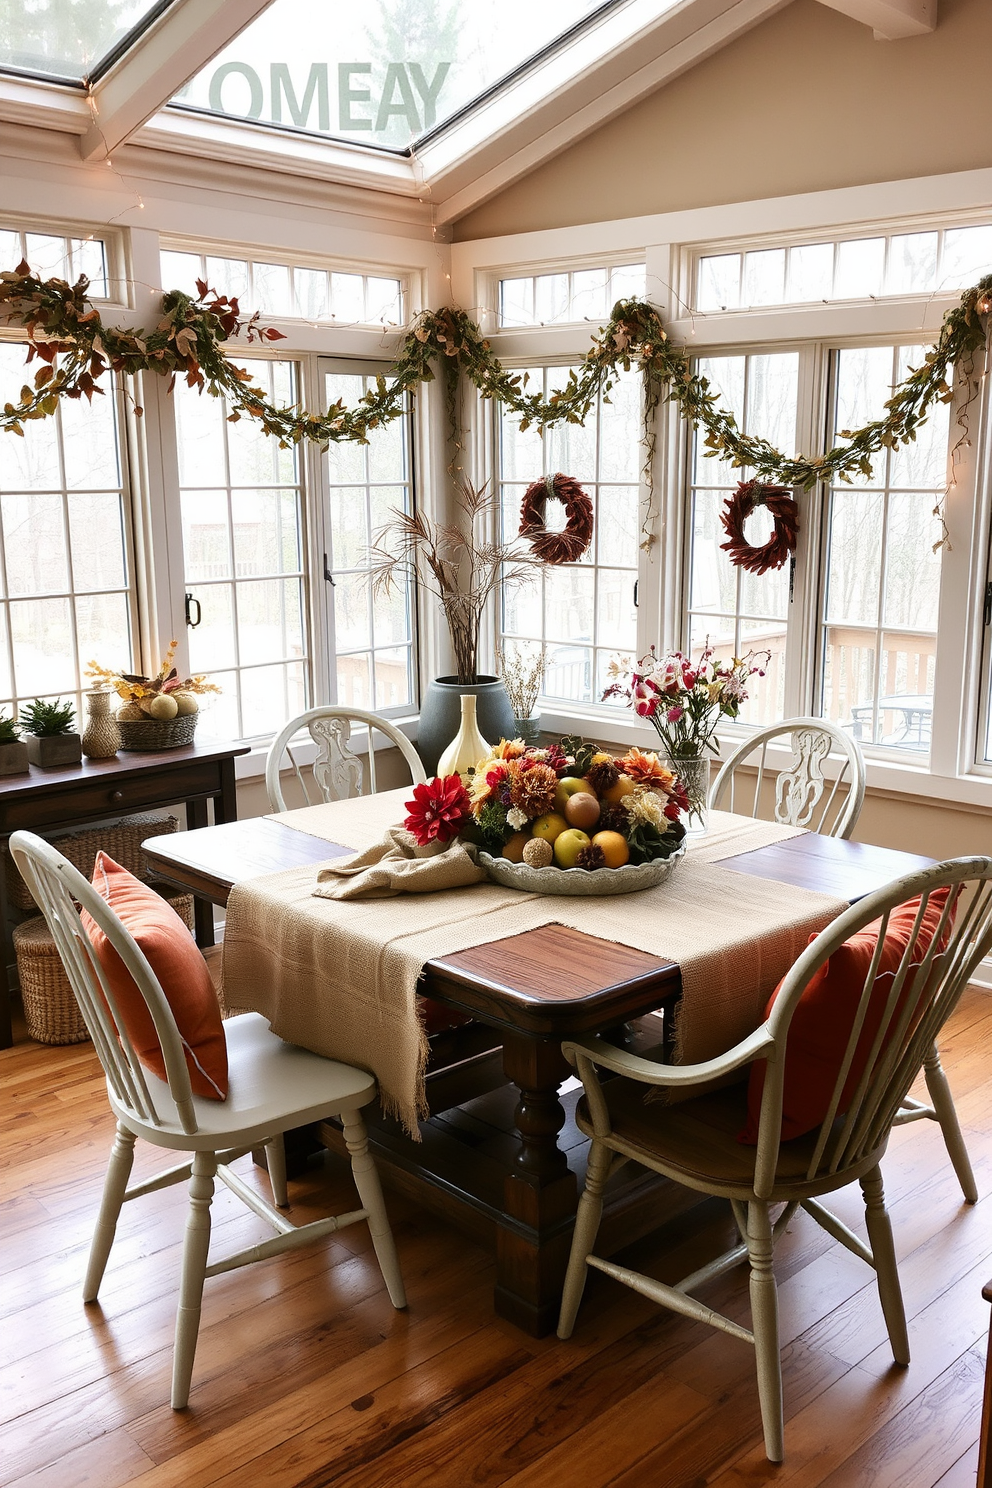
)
(65, 39)
(383, 73)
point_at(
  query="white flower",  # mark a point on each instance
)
(517, 818)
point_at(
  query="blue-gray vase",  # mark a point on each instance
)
(441, 712)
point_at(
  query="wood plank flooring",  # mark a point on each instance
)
(305, 1377)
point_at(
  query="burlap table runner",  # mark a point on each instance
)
(340, 977)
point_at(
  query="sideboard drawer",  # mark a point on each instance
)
(109, 794)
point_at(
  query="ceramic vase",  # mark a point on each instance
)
(694, 773)
(440, 715)
(468, 746)
(102, 735)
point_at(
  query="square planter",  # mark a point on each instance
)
(49, 750)
(14, 758)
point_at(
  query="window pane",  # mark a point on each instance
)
(96, 532)
(966, 256)
(738, 611)
(243, 546)
(859, 268)
(764, 277)
(582, 611)
(811, 272)
(392, 678)
(34, 543)
(719, 282)
(883, 584)
(912, 264)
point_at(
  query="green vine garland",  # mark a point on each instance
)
(76, 350)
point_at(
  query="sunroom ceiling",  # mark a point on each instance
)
(446, 100)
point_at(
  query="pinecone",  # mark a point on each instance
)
(591, 857)
(603, 775)
(613, 819)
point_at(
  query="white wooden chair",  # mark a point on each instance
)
(800, 786)
(695, 1143)
(337, 772)
(273, 1086)
(798, 790)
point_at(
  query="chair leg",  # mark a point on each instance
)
(587, 1218)
(764, 1322)
(886, 1271)
(275, 1157)
(370, 1192)
(943, 1105)
(114, 1189)
(195, 1248)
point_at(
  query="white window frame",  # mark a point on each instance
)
(955, 772)
(119, 280)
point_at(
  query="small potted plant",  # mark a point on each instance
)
(13, 751)
(51, 737)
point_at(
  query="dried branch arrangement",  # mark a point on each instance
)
(457, 562)
(521, 670)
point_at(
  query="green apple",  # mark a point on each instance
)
(568, 845)
(570, 785)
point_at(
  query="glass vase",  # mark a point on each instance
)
(693, 771)
(528, 729)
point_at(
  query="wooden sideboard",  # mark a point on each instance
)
(46, 801)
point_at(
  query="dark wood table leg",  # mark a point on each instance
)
(203, 910)
(6, 952)
(226, 803)
(540, 1194)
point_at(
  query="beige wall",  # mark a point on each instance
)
(806, 101)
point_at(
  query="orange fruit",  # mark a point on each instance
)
(614, 848)
(514, 849)
(616, 793)
(549, 826)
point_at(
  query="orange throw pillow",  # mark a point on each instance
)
(176, 960)
(821, 1023)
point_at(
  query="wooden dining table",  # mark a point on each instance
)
(500, 1154)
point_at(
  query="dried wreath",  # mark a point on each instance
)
(557, 547)
(782, 543)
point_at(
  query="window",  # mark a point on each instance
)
(241, 498)
(64, 548)
(579, 294)
(850, 269)
(735, 610)
(373, 636)
(879, 625)
(581, 613)
(59, 256)
(291, 292)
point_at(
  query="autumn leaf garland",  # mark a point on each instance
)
(77, 351)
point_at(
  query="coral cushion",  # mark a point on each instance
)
(821, 1023)
(182, 972)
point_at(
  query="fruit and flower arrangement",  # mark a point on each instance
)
(569, 805)
(163, 696)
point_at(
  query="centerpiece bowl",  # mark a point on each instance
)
(582, 882)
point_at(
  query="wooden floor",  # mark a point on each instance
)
(305, 1376)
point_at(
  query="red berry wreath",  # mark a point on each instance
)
(557, 547)
(782, 543)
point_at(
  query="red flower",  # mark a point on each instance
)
(438, 810)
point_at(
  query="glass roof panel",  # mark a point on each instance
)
(66, 39)
(379, 73)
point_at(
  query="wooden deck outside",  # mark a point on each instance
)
(305, 1376)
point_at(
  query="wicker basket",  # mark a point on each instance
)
(50, 1008)
(157, 733)
(120, 840)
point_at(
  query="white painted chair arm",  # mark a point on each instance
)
(598, 1052)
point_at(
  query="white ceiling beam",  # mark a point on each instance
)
(183, 39)
(891, 20)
